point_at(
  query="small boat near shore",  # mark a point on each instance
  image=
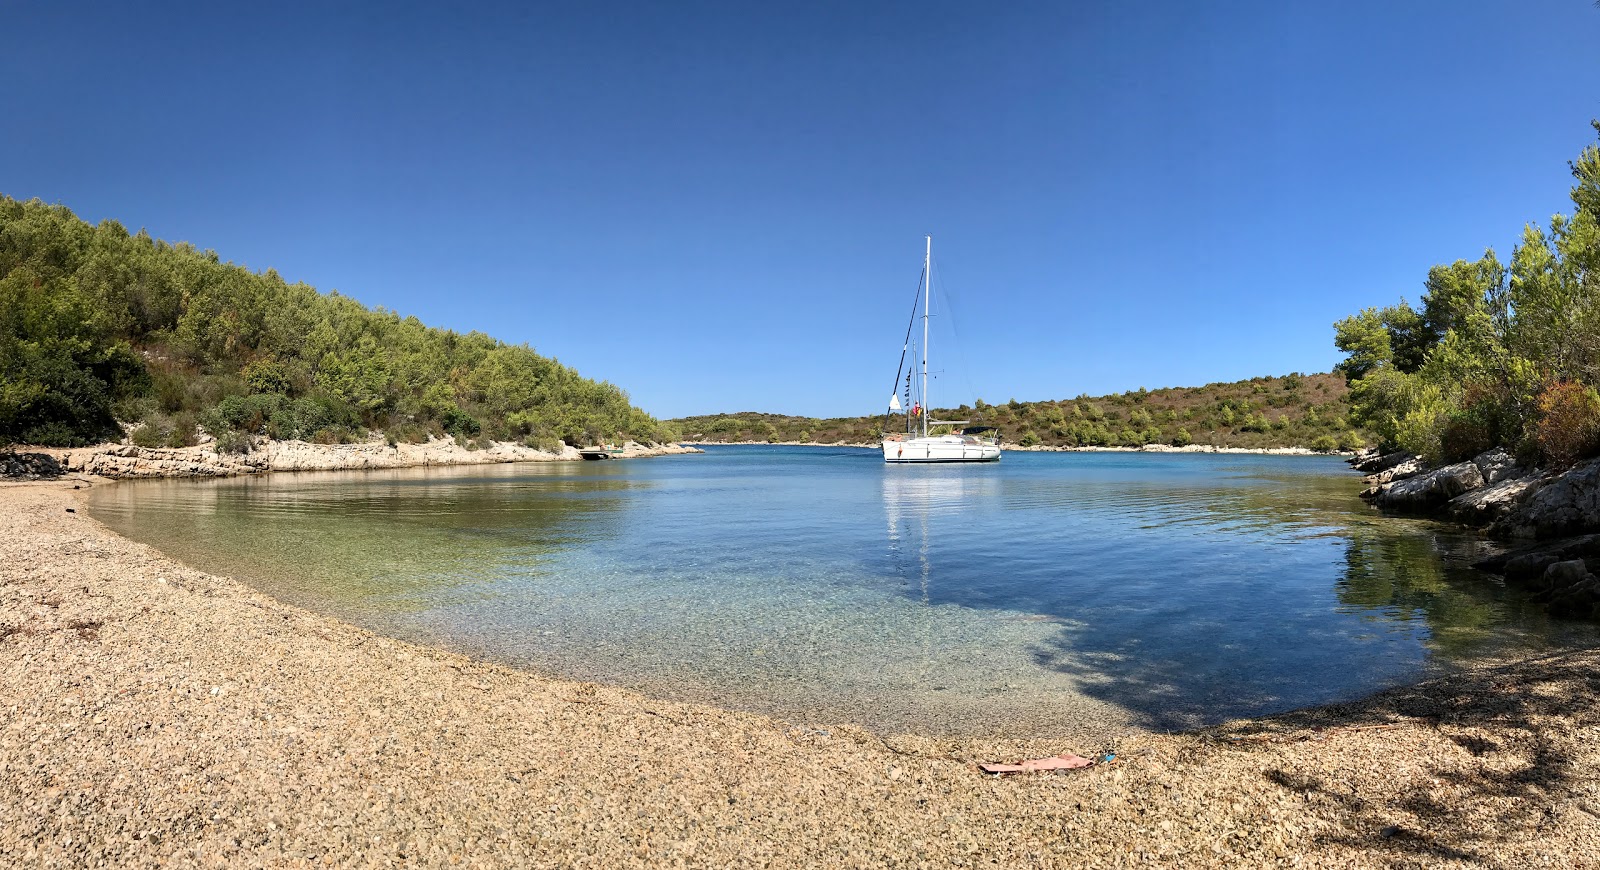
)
(960, 443)
(603, 451)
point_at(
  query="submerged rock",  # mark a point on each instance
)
(1560, 574)
(1524, 565)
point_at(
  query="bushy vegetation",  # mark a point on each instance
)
(1291, 411)
(100, 327)
(1497, 354)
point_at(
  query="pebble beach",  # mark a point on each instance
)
(155, 715)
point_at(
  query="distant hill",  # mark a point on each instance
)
(1291, 411)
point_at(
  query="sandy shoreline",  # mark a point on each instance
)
(159, 715)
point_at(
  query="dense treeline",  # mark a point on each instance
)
(1291, 411)
(1497, 354)
(100, 327)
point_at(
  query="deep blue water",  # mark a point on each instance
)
(1051, 592)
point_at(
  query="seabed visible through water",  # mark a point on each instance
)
(1048, 593)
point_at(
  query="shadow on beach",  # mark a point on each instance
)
(1494, 753)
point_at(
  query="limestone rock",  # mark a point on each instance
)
(128, 461)
(1567, 504)
(1497, 465)
(1493, 502)
(1430, 490)
(1374, 462)
(1411, 467)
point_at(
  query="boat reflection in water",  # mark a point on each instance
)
(916, 502)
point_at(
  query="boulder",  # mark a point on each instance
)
(1567, 504)
(1492, 502)
(1563, 575)
(1578, 600)
(1497, 465)
(1430, 490)
(1522, 565)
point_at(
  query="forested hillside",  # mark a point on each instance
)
(1497, 354)
(100, 327)
(1291, 411)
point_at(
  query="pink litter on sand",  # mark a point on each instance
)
(1064, 761)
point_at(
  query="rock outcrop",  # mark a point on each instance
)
(1512, 502)
(1488, 505)
(1428, 490)
(1481, 492)
(126, 461)
(1567, 504)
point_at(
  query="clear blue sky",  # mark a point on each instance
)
(720, 206)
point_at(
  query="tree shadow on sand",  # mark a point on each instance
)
(1482, 760)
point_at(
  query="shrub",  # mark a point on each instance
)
(1182, 438)
(183, 431)
(1462, 436)
(233, 442)
(547, 443)
(1350, 442)
(153, 433)
(408, 432)
(459, 422)
(1324, 444)
(1029, 439)
(244, 413)
(1568, 428)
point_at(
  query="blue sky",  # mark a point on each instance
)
(720, 206)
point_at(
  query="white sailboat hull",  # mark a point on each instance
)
(939, 448)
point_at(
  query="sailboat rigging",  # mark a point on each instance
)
(976, 444)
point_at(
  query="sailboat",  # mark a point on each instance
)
(978, 444)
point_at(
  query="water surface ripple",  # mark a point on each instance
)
(1049, 593)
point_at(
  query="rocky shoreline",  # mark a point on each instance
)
(157, 715)
(1549, 519)
(127, 461)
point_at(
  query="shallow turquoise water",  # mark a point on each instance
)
(1046, 593)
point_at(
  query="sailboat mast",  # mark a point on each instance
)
(927, 295)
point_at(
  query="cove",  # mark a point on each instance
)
(1051, 593)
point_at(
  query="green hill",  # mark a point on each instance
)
(1290, 411)
(100, 327)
